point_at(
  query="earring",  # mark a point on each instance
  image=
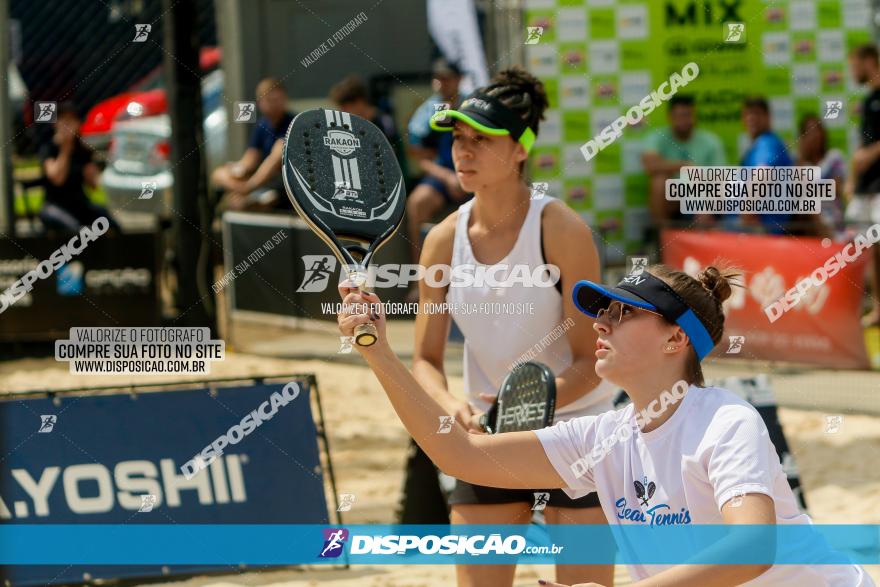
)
(670, 348)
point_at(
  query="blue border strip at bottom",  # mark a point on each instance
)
(234, 544)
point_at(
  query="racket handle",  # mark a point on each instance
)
(366, 334)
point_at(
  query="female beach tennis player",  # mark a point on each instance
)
(528, 249)
(706, 457)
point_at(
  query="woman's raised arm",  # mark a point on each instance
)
(514, 460)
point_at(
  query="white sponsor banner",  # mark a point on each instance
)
(453, 26)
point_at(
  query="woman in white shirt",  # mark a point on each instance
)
(681, 453)
(494, 237)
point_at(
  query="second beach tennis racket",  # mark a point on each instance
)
(526, 401)
(343, 179)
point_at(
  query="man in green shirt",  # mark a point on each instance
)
(669, 149)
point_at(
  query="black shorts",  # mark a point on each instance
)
(468, 494)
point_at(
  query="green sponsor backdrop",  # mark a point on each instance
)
(598, 58)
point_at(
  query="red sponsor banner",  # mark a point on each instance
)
(818, 324)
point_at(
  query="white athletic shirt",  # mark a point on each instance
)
(494, 341)
(714, 446)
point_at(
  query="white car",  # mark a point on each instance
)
(138, 179)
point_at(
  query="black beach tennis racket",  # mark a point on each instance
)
(526, 401)
(343, 179)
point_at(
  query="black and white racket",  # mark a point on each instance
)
(343, 179)
(526, 401)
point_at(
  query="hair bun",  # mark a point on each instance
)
(718, 282)
(516, 75)
(516, 80)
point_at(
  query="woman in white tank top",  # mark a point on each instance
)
(509, 238)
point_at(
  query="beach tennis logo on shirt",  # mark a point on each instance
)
(334, 542)
(645, 491)
(657, 515)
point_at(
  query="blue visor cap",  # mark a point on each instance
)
(648, 292)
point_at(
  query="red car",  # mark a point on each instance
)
(147, 97)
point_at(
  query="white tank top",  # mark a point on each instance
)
(494, 341)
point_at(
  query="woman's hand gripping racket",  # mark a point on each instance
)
(343, 179)
(526, 401)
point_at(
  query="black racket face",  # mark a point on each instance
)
(527, 399)
(342, 177)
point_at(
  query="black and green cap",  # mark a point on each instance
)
(488, 115)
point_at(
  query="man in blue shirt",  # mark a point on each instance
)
(863, 208)
(254, 181)
(433, 151)
(767, 149)
(352, 95)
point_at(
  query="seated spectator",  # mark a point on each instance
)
(669, 149)
(433, 150)
(68, 165)
(351, 95)
(254, 182)
(863, 185)
(766, 149)
(813, 151)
